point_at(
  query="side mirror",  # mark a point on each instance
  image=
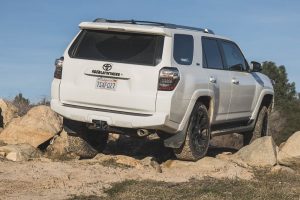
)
(255, 66)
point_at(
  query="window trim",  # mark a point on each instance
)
(174, 48)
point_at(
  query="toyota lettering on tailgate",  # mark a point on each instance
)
(106, 67)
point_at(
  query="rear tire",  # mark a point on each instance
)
(197, 135)
(261, 127)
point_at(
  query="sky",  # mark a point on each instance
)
(33, 32)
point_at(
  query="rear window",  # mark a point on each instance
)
(183, 49)
(119, 47)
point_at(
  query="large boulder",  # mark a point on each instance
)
(64, 147)
(208, 167)
(38, 126)
(19, 152)
(58, 146)
(7, 112)
(289, 152)
(262, 152)
(282, 169)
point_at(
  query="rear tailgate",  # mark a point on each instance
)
(112, 70)
(136, 92)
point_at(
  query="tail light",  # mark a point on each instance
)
(58, 67)
(168, 78)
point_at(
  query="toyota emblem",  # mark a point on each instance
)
(107, 67)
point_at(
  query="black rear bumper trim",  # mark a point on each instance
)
(107, 110)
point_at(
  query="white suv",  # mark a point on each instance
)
(138, 78)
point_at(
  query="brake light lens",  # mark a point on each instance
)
(58, 67)
(168, 78)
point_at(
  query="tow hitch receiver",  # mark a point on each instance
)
(99, 125)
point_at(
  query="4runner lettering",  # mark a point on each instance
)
(105, 73)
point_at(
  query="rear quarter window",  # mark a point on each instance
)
(183, 51)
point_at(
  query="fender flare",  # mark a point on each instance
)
(263, 93)
(178, 139)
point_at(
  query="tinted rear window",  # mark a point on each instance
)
(183, 49)
(120, 47)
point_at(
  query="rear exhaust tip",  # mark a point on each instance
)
(142, 132)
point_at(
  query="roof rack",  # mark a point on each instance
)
(165, 25)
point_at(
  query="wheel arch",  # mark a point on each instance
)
(208, 103)
(204, 96)
(266, 98)
(267, 101)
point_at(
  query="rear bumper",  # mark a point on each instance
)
(157, 121)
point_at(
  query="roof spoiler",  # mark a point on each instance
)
(151, 23)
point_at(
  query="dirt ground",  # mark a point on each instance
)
(47, 179)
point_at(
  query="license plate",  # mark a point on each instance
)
(106, 83)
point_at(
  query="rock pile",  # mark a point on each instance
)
(39, 125)
(64, 146)
(7, 113)
(19, 152)
(289, 152)
(23, 136)
(260, 153)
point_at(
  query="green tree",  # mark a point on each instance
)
(286, 101)
(285, 91)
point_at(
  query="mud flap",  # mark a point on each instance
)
(177, 140)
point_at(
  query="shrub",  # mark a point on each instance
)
(22, 104)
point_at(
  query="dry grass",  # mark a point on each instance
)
(267, 186)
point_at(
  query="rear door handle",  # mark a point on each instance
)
(235, 81)
(212, 79)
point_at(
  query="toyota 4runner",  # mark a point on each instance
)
(138, 78)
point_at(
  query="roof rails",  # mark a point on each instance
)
(165, 25)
